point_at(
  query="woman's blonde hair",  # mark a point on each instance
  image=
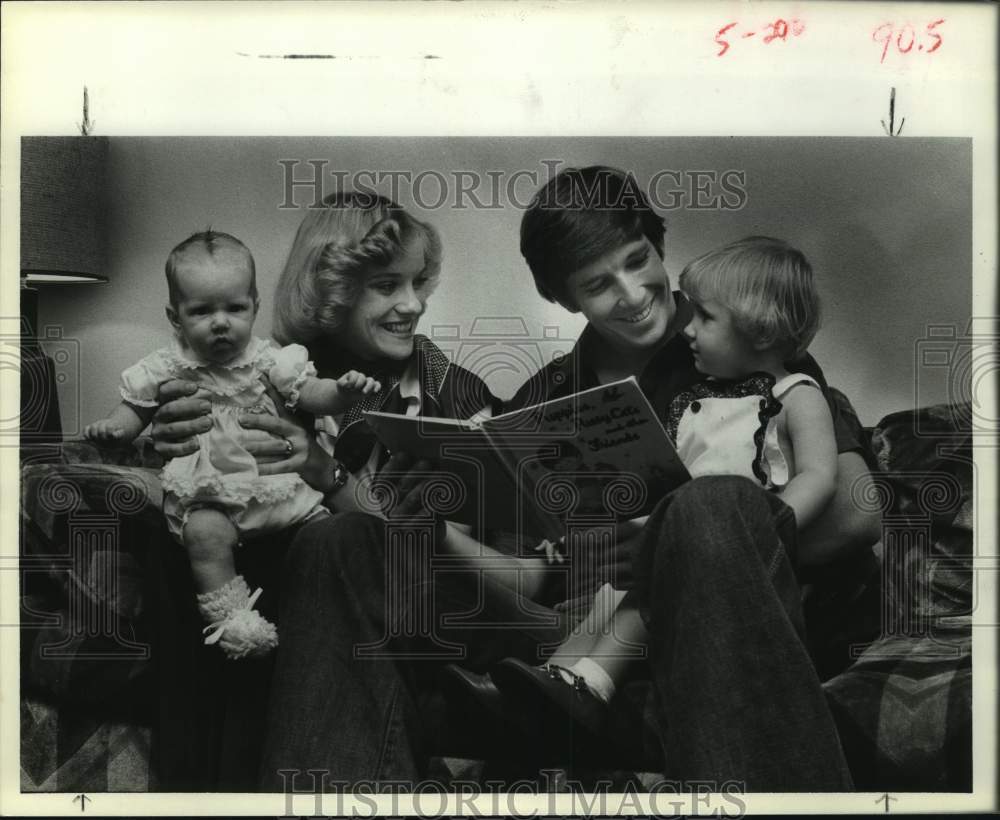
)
(335, 247)
(767, 286)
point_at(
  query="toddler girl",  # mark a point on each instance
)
(755, 308)
(215, 496)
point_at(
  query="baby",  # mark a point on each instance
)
(215, 496)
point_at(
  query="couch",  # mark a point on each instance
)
(114, 698)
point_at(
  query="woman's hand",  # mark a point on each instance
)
(181, 416)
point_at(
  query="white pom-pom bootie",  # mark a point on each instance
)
(234, 625)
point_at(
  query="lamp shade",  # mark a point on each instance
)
(64, 206)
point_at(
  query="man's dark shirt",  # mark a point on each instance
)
(670, 371)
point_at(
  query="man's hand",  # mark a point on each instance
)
(576, 609)
(407, 501)
(842, 529)
(286, 446)
(181, 416)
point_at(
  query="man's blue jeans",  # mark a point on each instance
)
(735, 695)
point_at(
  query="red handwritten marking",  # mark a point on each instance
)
(779, 30)
(937, 37)
(888, 38)
(899, 39)
(723, 43)
(905, 37)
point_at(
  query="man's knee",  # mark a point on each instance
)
(715, 491)
(707, 511)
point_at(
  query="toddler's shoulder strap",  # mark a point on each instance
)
(782, 386)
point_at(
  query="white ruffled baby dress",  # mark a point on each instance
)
(222, 473)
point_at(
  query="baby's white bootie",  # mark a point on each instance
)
(233, 623)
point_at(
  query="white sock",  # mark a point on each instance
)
(597, 679)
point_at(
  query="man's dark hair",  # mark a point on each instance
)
(580, 215)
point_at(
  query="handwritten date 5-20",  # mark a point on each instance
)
(779, 29)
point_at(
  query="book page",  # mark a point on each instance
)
(600, 452)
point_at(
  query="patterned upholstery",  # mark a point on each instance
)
(904, 709)
(67, 749)
(84, 649)
(90, 522)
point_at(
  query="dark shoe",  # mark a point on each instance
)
(546, 694)
(471, 692)
(482, 724)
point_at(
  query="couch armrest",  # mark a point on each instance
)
(52, 490)
(89, 527)
(139, 453)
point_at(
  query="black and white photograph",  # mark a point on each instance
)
(399, 470)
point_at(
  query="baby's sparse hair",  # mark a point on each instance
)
(208, 242)
(354, 233)
(766, 284)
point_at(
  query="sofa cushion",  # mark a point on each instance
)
(85, 529)
(80, 750)
(926, 482)
(904, 709)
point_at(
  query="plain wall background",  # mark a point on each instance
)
(885, 222)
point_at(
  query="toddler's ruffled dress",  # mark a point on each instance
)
(730, 428)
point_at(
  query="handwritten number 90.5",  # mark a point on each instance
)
(906, 38)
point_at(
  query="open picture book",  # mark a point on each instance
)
(598, 454)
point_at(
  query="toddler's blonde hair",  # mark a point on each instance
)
(767, 286)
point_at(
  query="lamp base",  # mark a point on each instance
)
(40, 420)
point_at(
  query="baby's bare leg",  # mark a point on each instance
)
(210, 538)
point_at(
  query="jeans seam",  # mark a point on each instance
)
(387, 738)
(772, 566)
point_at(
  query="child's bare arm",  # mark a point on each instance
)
(810, 428)
(122, 425)
(323, 397)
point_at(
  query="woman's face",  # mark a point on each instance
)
(625, 296)
(384, 318)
